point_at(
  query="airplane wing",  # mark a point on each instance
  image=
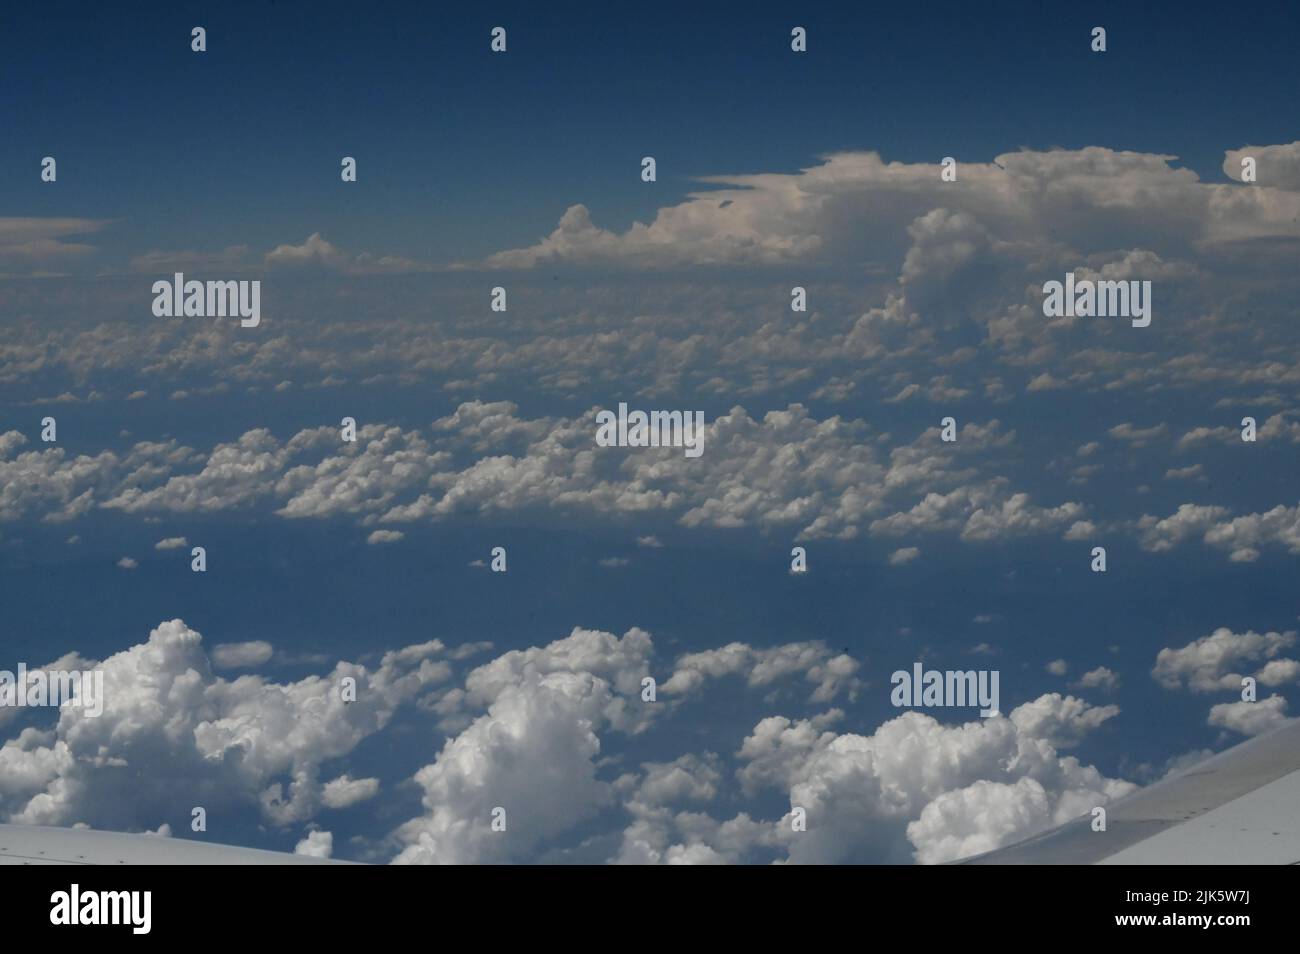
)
(1241, 806)
(32, 845)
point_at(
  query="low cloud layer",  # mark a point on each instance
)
(786, 471)
(535, 725)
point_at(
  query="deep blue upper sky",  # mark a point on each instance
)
(463, 152)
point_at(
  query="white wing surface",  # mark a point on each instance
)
(31, 845)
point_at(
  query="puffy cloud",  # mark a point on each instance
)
(1061, 720)
(233, 475)
(1159, 535)
(1017, 516)
(785, 470)
(1276, 427)
(831, 673)
(1276, 167)
(663, 830)
(919, 788)
(385, 536)
(318, 252)
(980, 817)
(618, 662)
(1138, 436)
(689, 234)
(531, 743)
(1279, 672)
(532, 752)
(171, 543)
(1220, 660)
(1242, 536)
(904, 555)
(317, 844)
(531, 755)
(981, 512)
(49, 480)
(241, 655)
(314, 251)
(363, 479)
(1103, 678)
(1080, 530)
(346, 791)
(814, 215)
(172, 733)
(690, 778)
(660, 835)
(1250, 718)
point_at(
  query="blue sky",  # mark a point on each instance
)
(521, 171)
(462, 152)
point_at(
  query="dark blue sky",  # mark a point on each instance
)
(463, 152)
